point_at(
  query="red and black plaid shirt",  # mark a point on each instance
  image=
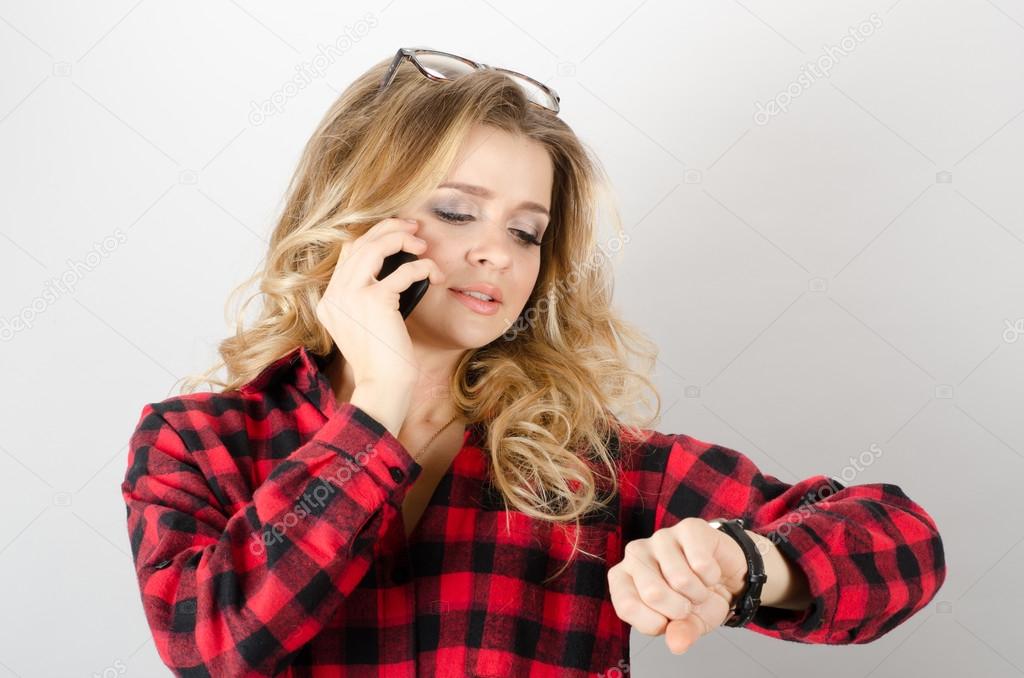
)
(267, 536)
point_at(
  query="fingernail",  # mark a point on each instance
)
(411, 221)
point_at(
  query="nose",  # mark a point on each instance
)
(493, 243)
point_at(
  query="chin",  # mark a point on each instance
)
(479, 337)
(463, 332)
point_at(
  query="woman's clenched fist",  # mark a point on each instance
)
(680, 581)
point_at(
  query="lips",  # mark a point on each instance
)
(478, 305)
(483, 288)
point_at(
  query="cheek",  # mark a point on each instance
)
(524, 289)
(533, 274)
(437, 251)
(527, 270)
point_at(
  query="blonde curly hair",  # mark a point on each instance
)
(552, 391)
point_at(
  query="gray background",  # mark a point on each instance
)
(848, 273)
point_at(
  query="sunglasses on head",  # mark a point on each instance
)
(438, 65)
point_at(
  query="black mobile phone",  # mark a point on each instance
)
(408, 299)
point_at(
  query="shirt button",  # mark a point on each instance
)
(397, 475)
(161, 565)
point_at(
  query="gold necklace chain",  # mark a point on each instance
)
(424, 448)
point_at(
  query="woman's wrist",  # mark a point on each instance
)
(786, 586)
(387, 408)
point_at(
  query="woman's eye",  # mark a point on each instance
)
(453, 217)
(525, 238)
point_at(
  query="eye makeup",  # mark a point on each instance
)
(457, 212)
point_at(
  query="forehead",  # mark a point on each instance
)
(513, 167)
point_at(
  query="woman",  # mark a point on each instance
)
(451, 493)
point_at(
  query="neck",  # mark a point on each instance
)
(431, 400)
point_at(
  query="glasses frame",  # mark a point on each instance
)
(411, 52)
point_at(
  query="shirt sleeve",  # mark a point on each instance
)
(236, 594)
(871, 555)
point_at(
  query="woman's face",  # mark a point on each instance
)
(482, 233)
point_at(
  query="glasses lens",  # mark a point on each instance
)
(441, 66)
(444, 66)
(534, 92)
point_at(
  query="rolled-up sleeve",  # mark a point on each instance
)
(872, 556)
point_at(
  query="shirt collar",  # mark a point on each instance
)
(306, 370)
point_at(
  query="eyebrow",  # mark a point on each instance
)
(487, 194)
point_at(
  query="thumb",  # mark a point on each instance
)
(682, 633)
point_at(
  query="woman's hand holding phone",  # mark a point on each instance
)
(361, 313)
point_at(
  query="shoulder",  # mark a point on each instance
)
(194, 417)
(659, 459)
(275, 410)
(203, 405)
(649, 450)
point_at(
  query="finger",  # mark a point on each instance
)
(722, 591)
(368, 266)
(701, 547)
(715, 610)
(680, 634)
(410, 272)
(683, 633)
(375, 232)
(654, 590)
(385, 226)
(392, 224)
(675, 569)
(629, 607)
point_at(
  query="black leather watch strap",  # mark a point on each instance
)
(750, 599)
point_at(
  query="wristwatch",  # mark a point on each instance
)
(742, 611)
